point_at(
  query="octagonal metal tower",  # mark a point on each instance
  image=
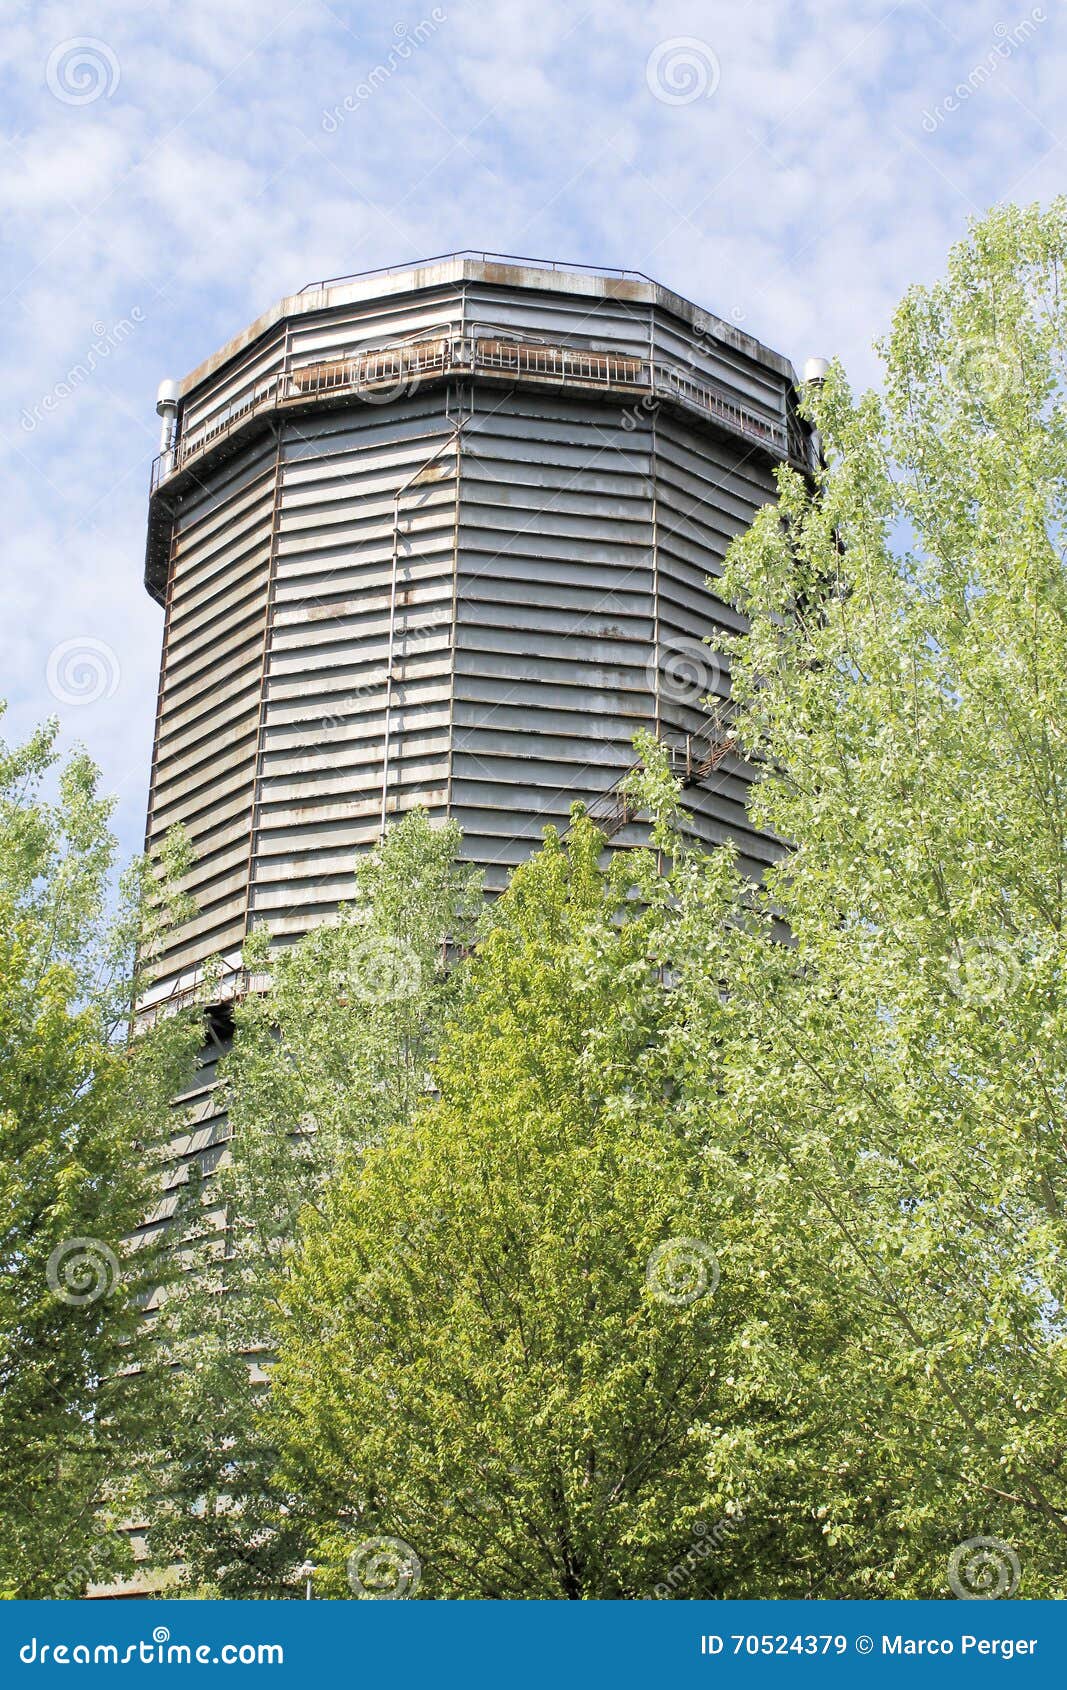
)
(443, 535)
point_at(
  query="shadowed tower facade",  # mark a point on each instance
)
(447, 536)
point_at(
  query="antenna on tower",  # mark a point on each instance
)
(167, 408)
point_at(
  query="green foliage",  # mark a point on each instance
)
(79, 1386)
(853, 1091)
(903, 1063)
(506, 1343)
(338, 1050)
(737, 1216)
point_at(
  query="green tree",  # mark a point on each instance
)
(80, 1108)
(902, 1062)
(538, 1340)
(336, 1051)
(853, 1091)
(738, 1216)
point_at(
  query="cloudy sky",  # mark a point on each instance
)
(171, 169)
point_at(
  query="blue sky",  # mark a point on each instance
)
(171, 169)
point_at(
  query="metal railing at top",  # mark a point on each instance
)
(564, 363)
(382, 367)
(673, 379)
(556, 264)
(385, 372)
(232, 986)
(800, 448)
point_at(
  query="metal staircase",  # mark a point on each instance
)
(691, 763)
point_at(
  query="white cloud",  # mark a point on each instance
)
(803, 193)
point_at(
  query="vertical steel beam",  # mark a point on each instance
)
(391, 643)
(164, 671)
(259, 754)
(454, 616)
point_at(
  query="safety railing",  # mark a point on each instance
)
(386, 367)
(610, 811)
(558, 265)
(231, 986)
(675, 380)
(558, 363)
(800, 443)
(382, 373)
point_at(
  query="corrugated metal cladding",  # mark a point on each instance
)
(202, 1142)
(477, 503)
